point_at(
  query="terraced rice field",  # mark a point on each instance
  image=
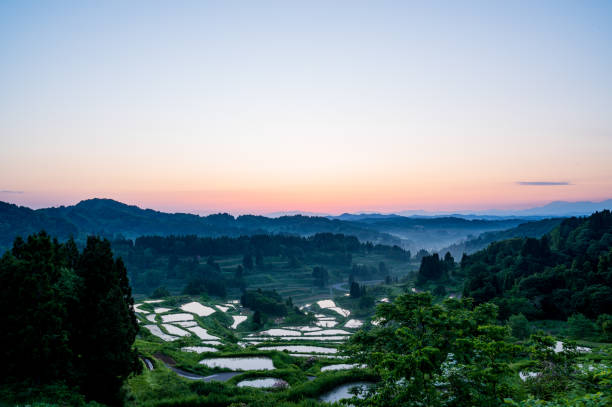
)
(205, 331)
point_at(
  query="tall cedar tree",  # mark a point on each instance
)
(106, 324)
(67, 318)
(35, 289)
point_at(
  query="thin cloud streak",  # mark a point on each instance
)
(542, 183)
(8, 191)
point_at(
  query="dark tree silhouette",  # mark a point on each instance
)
(106, 326)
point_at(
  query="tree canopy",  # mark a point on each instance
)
(565, 272)
(67, 317)
(430, 354)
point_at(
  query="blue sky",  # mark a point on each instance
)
(322, 106)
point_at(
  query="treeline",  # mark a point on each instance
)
(178, 260)
(567, 271)
(207, 278)
(67, 319)
(534, 229)
(433, 268)
(109, 218)
(265, 244)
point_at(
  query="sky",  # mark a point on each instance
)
(331, 107)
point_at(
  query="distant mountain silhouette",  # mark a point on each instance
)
(553, 209)
(362, 216)
(563, 208)
(110, 218)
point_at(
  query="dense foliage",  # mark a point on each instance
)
(67, 318)
(162, 260)
(206, 279)
(268, 302)
(535, 229)
(457, 354)
(434, 268)
(266, 245)
(565, 272)
(433, 355)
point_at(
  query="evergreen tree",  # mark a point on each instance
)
(247, 261)
(106, 324)
(431, 268)
(257, 318)
(67, 318)
(35, 294)
(355, 291)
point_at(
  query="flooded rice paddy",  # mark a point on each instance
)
(240, 363)
(264, 383)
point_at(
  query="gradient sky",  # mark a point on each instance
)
(316, 106)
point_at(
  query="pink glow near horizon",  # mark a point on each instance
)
(260, 202)
(243, 108)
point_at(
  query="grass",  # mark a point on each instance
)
(162, 387)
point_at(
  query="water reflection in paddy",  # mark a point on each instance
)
(342, 366)
(343, 392)
(263, 383)
(250, 363)
(300, 349)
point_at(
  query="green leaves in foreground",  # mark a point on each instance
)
(588, 400)
(436, 355)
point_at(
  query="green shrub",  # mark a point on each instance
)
(519, 326)
(580, 327)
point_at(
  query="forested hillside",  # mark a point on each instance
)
(287, 263)
(535, 229)
(110, 219)
(567, 271)
(21, 221)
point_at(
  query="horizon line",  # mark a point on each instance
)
(276, 214)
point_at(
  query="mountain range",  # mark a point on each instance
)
(552, 209)
(109, 218)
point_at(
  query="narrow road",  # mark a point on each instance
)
(219, 377)
(170, 364)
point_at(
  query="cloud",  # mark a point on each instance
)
(542, 183)
(8, 191)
